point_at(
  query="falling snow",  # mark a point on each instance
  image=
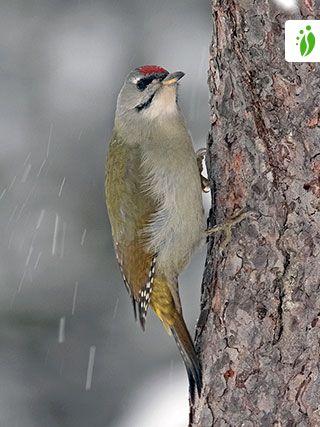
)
(74, 299)
(37, 261)
(3, 193)
(49, 140)
(27, 159)
(12, 183)
(26, 173)
(115, 310)
(55, 235)
(92, 353)
(62, 327)
(64, 230)
(21, 281)
(29, 255)
(61, 186)
(40, 219)
(83, 236)
(41, 167)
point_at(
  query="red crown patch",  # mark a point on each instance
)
(150, 69)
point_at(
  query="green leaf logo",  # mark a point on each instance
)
(307, 41)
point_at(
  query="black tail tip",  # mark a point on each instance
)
(142, 320)
(195, 381)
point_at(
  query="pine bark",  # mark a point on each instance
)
(258, 333)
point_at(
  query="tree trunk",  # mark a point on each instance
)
(259, 330)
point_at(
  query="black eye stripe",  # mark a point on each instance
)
(145, 104)
(145, 81)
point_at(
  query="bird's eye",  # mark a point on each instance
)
(144, 82)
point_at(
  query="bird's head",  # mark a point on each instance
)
(148, 92)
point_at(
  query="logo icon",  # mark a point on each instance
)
(302, 41)
(307, 41)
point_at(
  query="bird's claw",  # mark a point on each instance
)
(227, 226)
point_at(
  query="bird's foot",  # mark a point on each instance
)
(201, 155)
(227, 226)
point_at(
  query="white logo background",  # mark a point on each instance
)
(292, 45)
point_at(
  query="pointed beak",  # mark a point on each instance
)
(172, 78)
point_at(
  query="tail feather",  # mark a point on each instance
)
(167, 308)
(189, 356)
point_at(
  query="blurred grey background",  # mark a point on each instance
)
(71, 353)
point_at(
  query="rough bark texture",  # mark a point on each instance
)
(259, 330)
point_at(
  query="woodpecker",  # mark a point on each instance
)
(154, 201)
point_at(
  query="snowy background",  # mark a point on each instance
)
(65, 313)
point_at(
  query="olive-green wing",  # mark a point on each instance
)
(130, 209)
